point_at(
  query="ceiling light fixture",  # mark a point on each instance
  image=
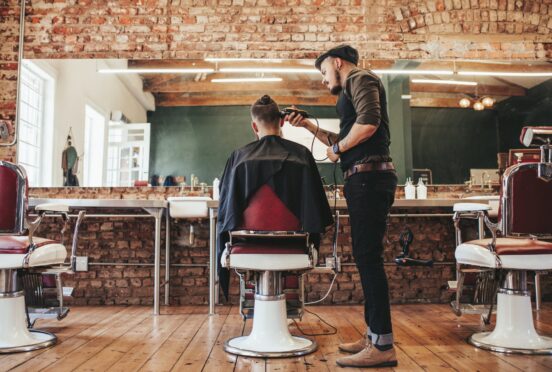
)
(448, 82)
(478, 106)
(464, 103)
(214, 59)
(247, 80)
(155, 70)
(488, 101)
(414, 72)
(505, 74)
(274, 70)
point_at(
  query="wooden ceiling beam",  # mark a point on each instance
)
(175, 99)
(176, 85)
(493, 90)
(434, 102)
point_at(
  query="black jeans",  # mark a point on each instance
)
(369, 196)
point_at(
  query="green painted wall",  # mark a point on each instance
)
(535, 108)
(399, 124)
(450, 141)
(199, 140)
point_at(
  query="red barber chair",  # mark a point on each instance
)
(515, 248)
(269, 245)
(21, 253)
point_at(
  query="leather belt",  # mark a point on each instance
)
(368, 167)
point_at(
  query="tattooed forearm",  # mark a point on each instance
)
(325, 136)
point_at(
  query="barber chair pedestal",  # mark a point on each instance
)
(270, 335)
(15, 336)
(514, 331)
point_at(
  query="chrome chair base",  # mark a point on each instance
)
(43, 339)
(514, 331)
(14, 333)
(544, 348)
(299, 346)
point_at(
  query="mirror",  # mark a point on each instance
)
(119, 123)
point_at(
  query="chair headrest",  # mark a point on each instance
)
(535, 136)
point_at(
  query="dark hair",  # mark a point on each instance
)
(169, 181)
(266, 111)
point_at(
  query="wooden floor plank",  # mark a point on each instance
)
(427, 337)
(219, 360)
(161, 328)
(473, 323)
(170, 351)
(195, 355)
(71, 337)
(328, 343)
(90, 343)
(425, 322)
(411, 354)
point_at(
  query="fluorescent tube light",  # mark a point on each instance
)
(273, 70)
(413, 72)
(155, 70)
(240, 60)
(448, 82)
(498, 73)
(247, 80)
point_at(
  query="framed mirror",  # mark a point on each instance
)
(93, 122)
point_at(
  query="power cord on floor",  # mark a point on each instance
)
(333, 332)
(327, 293)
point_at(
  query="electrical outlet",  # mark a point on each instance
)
(81, 263)
(331, 262)
(4, 130)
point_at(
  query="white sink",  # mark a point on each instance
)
(483, 197)
(188, 206)
(493, 201)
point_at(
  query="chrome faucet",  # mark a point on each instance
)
(484, 176)
(487, 182)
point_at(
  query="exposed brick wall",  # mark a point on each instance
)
(130, 241)
(385, 29)
(388, 29)
(9, 37)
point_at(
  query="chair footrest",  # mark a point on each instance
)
(270, 262)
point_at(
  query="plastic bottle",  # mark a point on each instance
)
(409, 190)
(216, 190)
(421, 190)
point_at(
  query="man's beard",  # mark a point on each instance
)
(337, 88)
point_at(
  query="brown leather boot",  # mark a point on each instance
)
(370, 357)
(355, 347)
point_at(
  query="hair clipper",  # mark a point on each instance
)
(289, 111)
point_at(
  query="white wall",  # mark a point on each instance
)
(78, 84)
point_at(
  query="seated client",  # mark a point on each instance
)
(286, 167)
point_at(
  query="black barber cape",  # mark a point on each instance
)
(290, 170)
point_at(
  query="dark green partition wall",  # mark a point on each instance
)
(198, 140)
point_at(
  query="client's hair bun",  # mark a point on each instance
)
(265, 100)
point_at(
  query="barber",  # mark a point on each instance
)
(362, 146)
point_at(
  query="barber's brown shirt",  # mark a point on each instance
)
(363, 101)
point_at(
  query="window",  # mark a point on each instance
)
(31, 120)
(128, 153)
(305, 138)
(94, 132)
(35, 122)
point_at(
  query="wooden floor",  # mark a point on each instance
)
(428, 337)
